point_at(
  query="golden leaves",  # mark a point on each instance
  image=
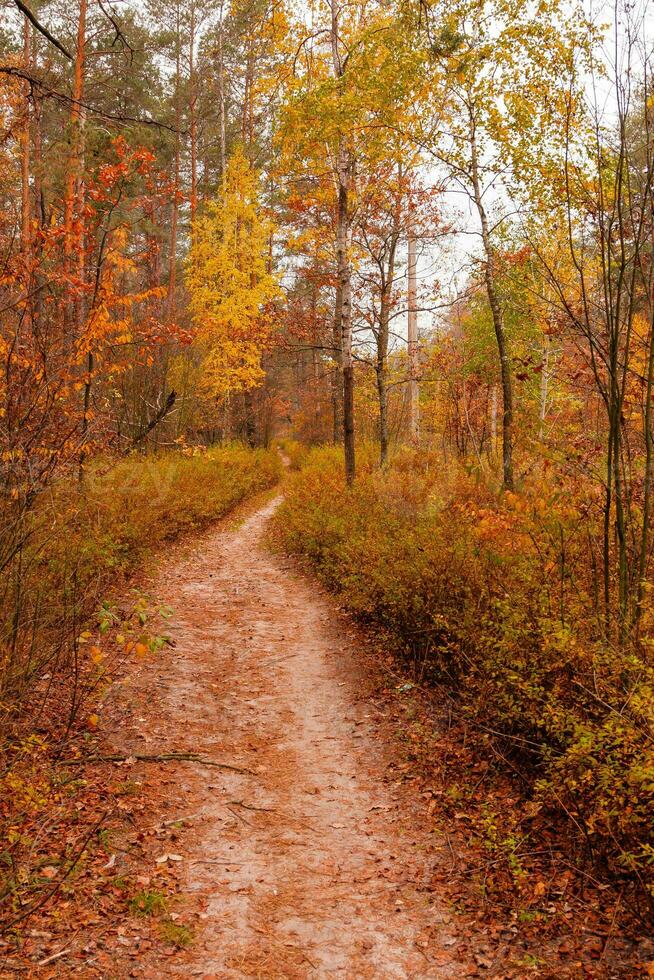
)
(231, 284)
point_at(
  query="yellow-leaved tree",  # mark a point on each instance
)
(231, 284)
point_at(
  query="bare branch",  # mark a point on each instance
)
(24, 9)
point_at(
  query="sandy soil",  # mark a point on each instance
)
(310, 863)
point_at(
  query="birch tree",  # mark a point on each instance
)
(496, 67)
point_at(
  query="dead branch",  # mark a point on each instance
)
(47, 92)
(249, 806)
(55, 956)
(72, 864)
(163, 757)
(165, 410)
(24, 9)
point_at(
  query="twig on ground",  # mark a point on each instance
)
(30, 909)
(609, 934)
(276, 660)
(55, 956)
(163, 757)
(248, 806)
(310, 962)
(239, 816)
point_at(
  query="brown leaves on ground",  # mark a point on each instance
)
(516, 911)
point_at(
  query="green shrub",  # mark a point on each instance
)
(147, 902)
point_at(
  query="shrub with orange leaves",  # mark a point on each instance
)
(55, 620)
(495, 598)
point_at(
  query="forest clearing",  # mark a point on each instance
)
(327, 472)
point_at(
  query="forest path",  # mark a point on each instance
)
(312, 865)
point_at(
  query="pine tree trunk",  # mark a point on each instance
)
(193, 120)
(73, 172)
(174, 218)
(25, 141)
(221, 93)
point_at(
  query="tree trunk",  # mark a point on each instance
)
(344, 270)
(193, 121)
(316, 428)
(250, 418)
(25, 141)
(221, 92)
(647, 478)
(382, 394)
(493, 423)
(381, 367)
(39, 201)
(73, 173)
(337, 371)
(345, 280)
(544, 387)
(247, 122)
(174, 218)
(412, 335)
(498, 318)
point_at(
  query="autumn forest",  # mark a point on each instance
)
(326, 488)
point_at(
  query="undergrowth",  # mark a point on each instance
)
(492, 598)
(66, 554)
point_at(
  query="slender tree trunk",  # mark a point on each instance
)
(381, 371)
(344, 269)
(247, 128)
(80, 203)
(39, 202)
(381, 367)
(497, 316)
(345, 280)
(412, 334)
(544, 387)
(25, 141)
(193, 120)
(493, 432)
(317, 406)
(221, 92)
(174, 219)
(250, 418)
(647, 478)
(337, 370)
(85, 413)
(73, 171)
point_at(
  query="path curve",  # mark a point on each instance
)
(312, 866)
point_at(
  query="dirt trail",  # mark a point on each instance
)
(311, 866)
